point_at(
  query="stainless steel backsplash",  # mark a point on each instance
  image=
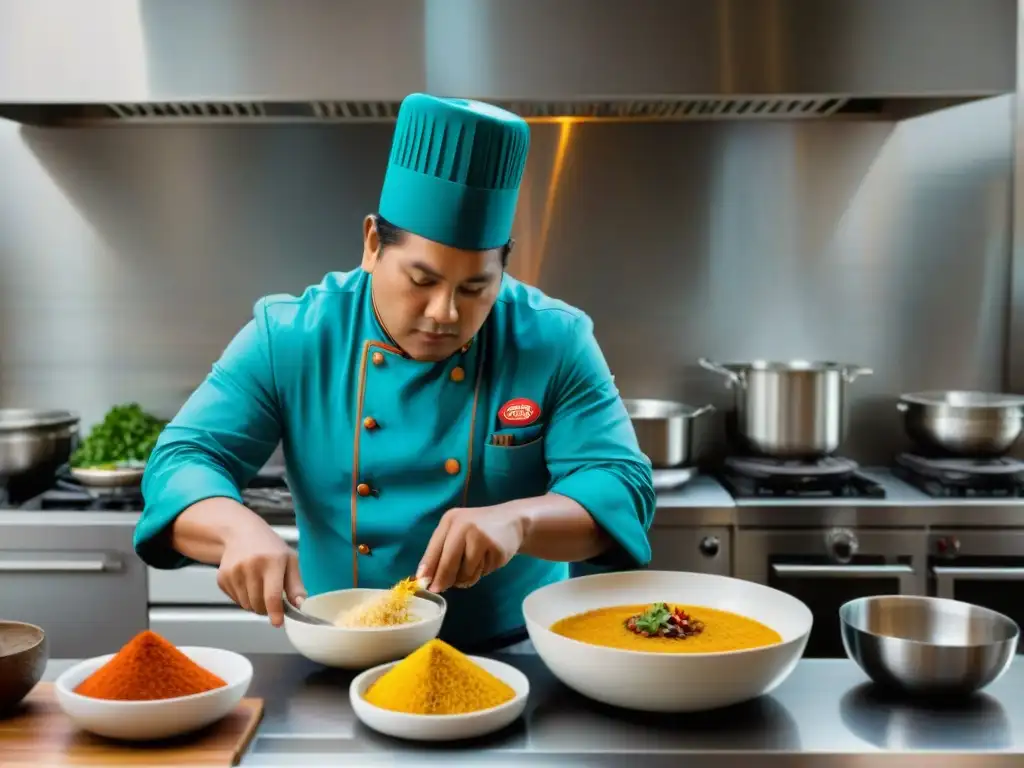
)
(129, 256)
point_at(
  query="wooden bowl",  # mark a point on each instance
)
(23, 656)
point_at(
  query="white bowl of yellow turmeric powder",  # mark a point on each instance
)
(437, 693)
(667, 641)
(360, 647)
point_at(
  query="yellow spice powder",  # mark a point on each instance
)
(436, 679)
(723, 631)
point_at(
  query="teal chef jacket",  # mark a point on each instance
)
(379, 446)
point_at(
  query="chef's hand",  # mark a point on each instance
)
(256, 567)
(468, 544)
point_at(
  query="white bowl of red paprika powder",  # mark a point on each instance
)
(146, 719)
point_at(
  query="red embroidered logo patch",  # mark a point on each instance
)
(519, 412)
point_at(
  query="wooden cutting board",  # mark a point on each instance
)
(40, 734)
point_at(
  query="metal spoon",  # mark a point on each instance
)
(295, 613)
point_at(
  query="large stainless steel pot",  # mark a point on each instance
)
(663, 430)
(963, 424)
(33, 440)
(789, 410)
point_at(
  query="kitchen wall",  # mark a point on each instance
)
(130, 255)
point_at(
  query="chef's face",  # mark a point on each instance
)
(432, 299)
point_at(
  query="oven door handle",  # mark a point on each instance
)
(945, 577)
(794, 571)
(215, 615)
(57, 562)
(904, 574)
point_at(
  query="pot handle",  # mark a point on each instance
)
(850, 374)
(731, 376)
(902, 407)
(702, 410)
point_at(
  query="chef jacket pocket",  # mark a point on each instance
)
(518, 470)
(516, 437)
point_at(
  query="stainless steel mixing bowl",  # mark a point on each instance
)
(928, 645)
(963, 424)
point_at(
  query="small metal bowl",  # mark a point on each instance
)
(928, 645)
(23, 656)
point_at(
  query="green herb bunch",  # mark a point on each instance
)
(126, 435)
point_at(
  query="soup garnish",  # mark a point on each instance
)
(661, 621)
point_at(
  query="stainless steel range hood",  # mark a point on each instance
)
(68, 62)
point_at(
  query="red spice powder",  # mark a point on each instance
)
(148, 668)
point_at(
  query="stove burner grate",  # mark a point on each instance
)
(953, 477)
(771, 468)
(747, 477)
(265, 496)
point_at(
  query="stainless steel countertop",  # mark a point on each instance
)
(825, 715)
(705, 502)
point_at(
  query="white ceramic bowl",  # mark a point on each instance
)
(359, 648)
(667, 682)
(163, 718)
(441, 727)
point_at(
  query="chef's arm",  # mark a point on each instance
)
(596, 467)
(203, 529)
(558, 528)
(212, 448)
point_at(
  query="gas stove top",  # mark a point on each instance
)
(72, 497)
(750, 477)
(967, 478)
(268, 496)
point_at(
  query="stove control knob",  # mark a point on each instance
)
(949, 546)
(842, 544)
(709, 546)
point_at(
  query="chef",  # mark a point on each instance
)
(438, 417)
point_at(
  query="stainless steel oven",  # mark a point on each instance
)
(825, 567)
(984, 567)
(76, 575)
(707, 549)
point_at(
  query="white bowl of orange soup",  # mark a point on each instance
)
(727, 640)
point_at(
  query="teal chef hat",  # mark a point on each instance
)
(454, 172)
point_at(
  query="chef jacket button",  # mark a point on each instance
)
(363, 549)
(363, 489)
(457, 374)
(451, 467)
(370, 423)
(378, 358)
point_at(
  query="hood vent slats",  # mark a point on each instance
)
(171, 110)
(739, 108)
(281, 61)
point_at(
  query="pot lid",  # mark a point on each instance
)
(810, 366)
(15, 419)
